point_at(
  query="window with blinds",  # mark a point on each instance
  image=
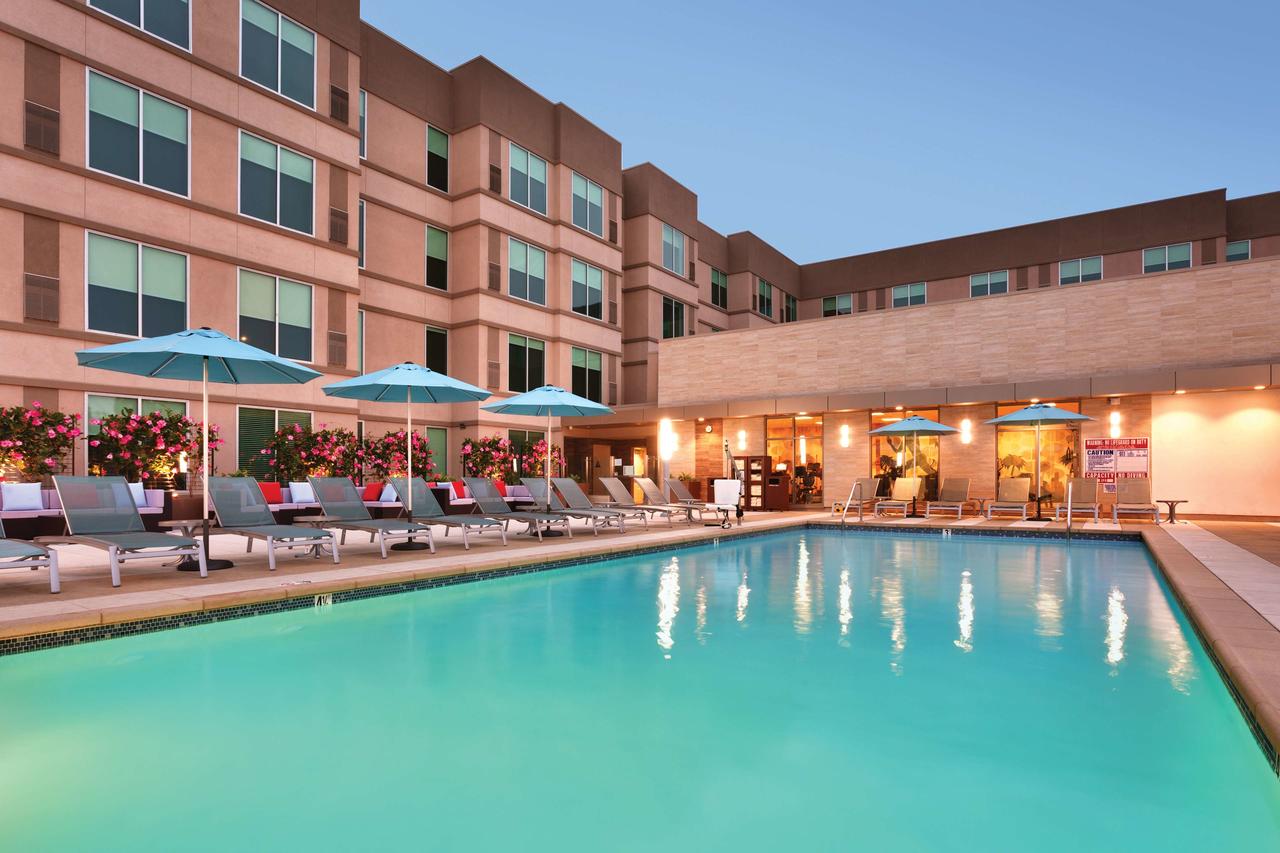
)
(275, 315)
(134, 289)
(166, 19)
(526, 272)
(588, 205)
(137, 136)
(588, 290)
(528, 179)
(254, 429)
(526, 361)
(437, 258)
(276, 184)
(587, 373)
(277, 53)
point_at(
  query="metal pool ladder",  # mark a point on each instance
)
(857, 487)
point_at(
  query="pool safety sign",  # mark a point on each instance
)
(1109, 459)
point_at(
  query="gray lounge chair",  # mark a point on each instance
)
(100, 512)
(905, 491)
(495, 505)
(241, 509)
(674, 485)
(552, 504)
(1013, 495)
(953, 495)
(621, 497)
(427, 510)
(16, 554)
(344, 510)
(864, 496)
(1133, 497)
(577, 499)
(1084, 498)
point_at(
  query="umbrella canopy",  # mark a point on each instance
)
(914, 425)
(1038, 415)
(548, 401)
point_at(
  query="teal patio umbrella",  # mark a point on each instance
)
(548, 401)
(914, 426)
(407, 383)
(204, 355)
(1038, 415)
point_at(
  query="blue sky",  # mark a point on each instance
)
(832, 128)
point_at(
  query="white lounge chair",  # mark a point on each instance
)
(1084, 498)
(953, 495)
(1013, 495)
(1133, 497)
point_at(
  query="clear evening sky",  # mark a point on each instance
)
(832, 128)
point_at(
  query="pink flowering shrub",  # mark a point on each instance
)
(387, 457)
(490, 456)
(533, 461)
(147, 446)
(296, 451)
(34, 439)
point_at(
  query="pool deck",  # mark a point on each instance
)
(1225, 574)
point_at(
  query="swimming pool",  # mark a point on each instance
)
(812, 690)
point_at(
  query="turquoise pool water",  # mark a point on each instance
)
(803, 691)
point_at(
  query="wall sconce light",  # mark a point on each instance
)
(844, 435)
(667, 440)
(966, 431)
(742, 439)
(1114, 418)
(1035, 400)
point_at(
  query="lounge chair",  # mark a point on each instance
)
(16, 554)
(904, 493)
(1133, 497)
(862, 495)
(1084, 498)
(954, 494)
(621, 497)
(101, 512)
(726, 498)
(577, 499)
(427, 510)
(1013, 495)
(493, 505)
(344, 510)
(674, 485)
(599, 517)
(241, 509)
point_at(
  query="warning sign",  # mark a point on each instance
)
(1109, 459)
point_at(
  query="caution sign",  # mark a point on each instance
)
(1109, 459)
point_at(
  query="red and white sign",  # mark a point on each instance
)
(1109, 459)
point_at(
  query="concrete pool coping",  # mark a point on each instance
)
(1243, 645)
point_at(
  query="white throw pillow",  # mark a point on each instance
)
(139, 494)
(388, 494)
(302, 493)
(21, 496)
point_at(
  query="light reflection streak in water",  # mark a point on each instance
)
(846, 606)
(1048, 607)
(1117, 624)
(744, 594)
(700, 629)
(668, 604)
(1166, 631)
(893, 609)
(803, 595)
(965, 608)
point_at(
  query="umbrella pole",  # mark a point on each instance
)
(1039, 485)
(187, 564)
(411, 544)
(548, 461)
(915, 465)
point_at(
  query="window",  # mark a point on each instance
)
(364, 132)
(438, 349)
(587, 290)
(908, 294)
(528, 179)
(522, 442)
(98, 406)
(136, 136)
(588, 205)
(166, 19)
(255, 427)
(360, 228)
(836, 306)
(672, 249)
(360, 341)
(672, 318)
(277, 53)
(764, 297)
(719, 289)
(790, 308)
(1238, 250)
(438, 161)
(275, 184)
(133, 289)
(586, 373)
(796, 443)
(526, 359)
(1079, 270)
(989, 283)
(1174, 257)
(275, 315)
(437, 258)
(526, 272)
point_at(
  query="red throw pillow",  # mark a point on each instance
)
(372, 491)
(459, 489)
(271, 491)
(501, 487)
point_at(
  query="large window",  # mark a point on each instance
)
(764, 297)
(909, 294)
(277, 53)
(1080, 270)
(437, 258)
(894, 456)
(1174, 257)
(526, 362)
(587, 290)
(438, 159)
(276, 184)
(1238, 250)
(587, 373)
(522, 442)
(275, 315)
(526, 272)
(166, 19)
(989, 283)
(528, 179)
(672, 318)
(673, 249)
(588, 205)
(134, 289)
(254, 429)
(790, 308)
(364, 128)
(1059, 453)
(136, 136)
(794, 445)
(438, 349)
(719, 289)
(836, 306)
(98, 406)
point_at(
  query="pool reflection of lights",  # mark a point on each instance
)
(1117, 624)
(668, 604)
(965, 608)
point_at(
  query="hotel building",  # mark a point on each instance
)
(285, 172)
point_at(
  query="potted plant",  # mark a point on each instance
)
(149, 448)
(692, 483)
(386, 457)
(34, 440)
